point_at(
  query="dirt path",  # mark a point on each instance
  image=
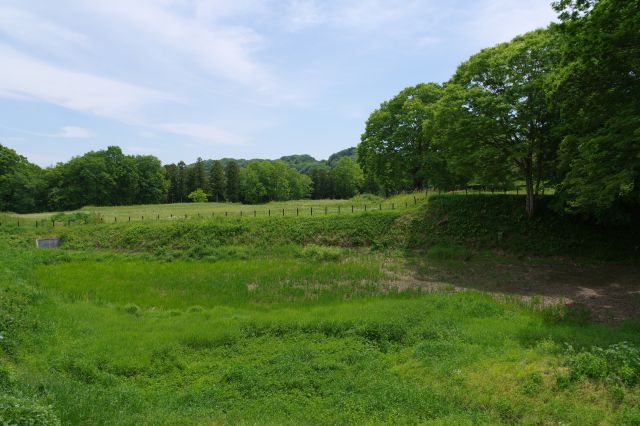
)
(610, 292)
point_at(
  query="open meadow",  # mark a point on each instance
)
(348, 319)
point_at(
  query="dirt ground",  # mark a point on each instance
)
(610, 291)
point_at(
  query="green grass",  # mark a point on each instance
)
(301, 320)
(288, 336)
(177, 211)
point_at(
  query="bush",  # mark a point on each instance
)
(19, 411)
(619, 362)
(132, 309)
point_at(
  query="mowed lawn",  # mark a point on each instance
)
(297, 338)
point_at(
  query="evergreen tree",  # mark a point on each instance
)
(232, 173)
(217, 182)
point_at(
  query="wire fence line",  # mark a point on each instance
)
(308, 211)
(81, 218)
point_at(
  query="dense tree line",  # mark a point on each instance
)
(105, 177)
(557, 107)
(258, 181)
(109, 177)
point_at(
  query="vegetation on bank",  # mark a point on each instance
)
(297, 335)
(474, 222)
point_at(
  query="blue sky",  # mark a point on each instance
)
(182, 79)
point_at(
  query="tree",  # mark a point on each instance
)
(351, 152)
(348, 178)
(253, 190)
(322, 181)
(22, 184)
(217, 182)
(123, 180)
(152, 181)
(597, 88)
(171, 172)
(494, 115)
(232, 173)
(394, 145)
(198, 196)
(197, 176)
(181, 182)
(299, 185)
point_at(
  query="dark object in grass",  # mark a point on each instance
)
(48, 242)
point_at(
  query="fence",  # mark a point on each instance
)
(310, 211)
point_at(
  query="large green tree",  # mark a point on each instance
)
(597, 89)
(394, 146)
(348, 178)
(495, 115)
(152, 180)
(22, 184)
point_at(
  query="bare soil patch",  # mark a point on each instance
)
(610, 291)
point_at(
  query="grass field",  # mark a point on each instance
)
(176, 211)
(296, 321)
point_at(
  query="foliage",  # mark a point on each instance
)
(106, 178)
(19, 411)
(619, 362)
(198, 196)
(495, 116)
(348, 178)
(499, 221)
(22, 184)
(232, 173)
(598, 93)
(218, 182)
(394, 146)
(351, 153)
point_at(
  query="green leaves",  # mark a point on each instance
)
(394, 146)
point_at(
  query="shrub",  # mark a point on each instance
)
(132, 309)
(19, 411)
(198, 196)
(619, 362)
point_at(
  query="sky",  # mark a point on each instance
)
(182, 79)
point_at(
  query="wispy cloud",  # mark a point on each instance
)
(22, 76)
(74, 132)
(25, 27)
(205, 134)
(222, 49)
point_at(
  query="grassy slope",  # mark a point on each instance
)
(496, 222)
(500, 222)
(287, 356)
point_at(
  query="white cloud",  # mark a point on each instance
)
(25, 27)
(302, 14)
(74, 132)
(22, 76)
(224, 50)
(204, 134)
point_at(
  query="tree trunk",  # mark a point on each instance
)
(531, 195)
